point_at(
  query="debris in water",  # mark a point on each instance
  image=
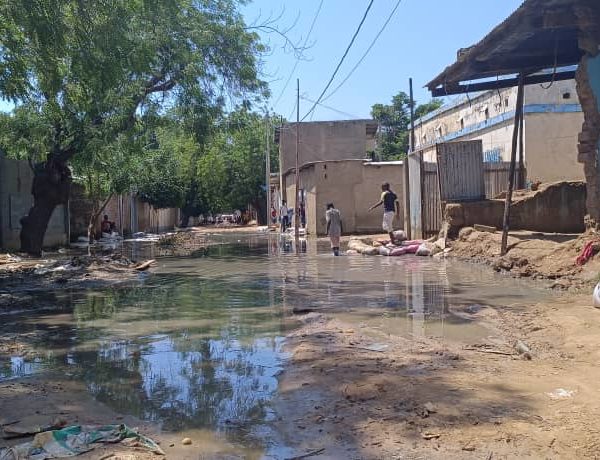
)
(302, 310)
(376, 347)
(430, 407)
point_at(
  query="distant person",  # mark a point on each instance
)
(107, 226)
(302, 215)
(391, 207)
(283, 216)
(290, 215)
(273, 215)
(334, 227)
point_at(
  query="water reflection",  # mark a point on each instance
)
(199, 343)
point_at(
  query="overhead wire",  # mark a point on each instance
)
(362, 21)
(387, 21)
(289, 78)
(346, 114)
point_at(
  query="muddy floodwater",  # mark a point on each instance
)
(198, 344)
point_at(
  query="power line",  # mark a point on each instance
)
(387, 21)
(331, 108)
(289, 78)
(362, 21)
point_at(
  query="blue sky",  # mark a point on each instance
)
(421, 39)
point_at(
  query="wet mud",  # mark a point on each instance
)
(398, 358)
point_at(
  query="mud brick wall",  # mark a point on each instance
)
(558, 207)
(588, 89)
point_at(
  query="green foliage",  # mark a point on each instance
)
(231, 173)
(393, 137)
(84, 74)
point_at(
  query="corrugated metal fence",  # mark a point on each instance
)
(461, 171)
(425, 202)
(496, 177)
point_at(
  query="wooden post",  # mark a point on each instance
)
(513, 158)
(521, 151)
(296, 200)
(407, 223)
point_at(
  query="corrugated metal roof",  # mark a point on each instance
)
(538, 35)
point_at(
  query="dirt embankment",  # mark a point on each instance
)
(532, 255)
(354, 393)
(21, 277)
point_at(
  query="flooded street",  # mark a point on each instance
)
(197, 346)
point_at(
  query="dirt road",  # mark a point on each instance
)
(357, 394)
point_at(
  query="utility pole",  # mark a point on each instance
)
(268, 168)
(407, 222)
(296, 200)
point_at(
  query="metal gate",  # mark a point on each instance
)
(461, 171)
(424, 196)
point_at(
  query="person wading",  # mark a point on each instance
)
(283, 216)
(334, 227)
(391, 207)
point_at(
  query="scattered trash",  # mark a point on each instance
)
(186, 441)
(596, 296)
(589, 250)
(523, 349)
(144, 265)
(17, 430)
(429, 436)
(561, 393)
(76, 440)
(312, 453)
(376, 347)
(423, 250)
(302, 310)
(430, 407)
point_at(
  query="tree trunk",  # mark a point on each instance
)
(51, 187)
(185, 219)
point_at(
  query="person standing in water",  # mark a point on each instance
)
(334, 227)
(283, 216)
(391, 207)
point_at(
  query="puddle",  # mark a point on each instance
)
(198, 345)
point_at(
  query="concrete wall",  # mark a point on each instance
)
(553, 119)
(557, 207)
(128, 212)
(16, 178)
(353, 186)
(325, 140)
(551, 146)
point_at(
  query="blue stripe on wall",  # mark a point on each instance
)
(506, 117)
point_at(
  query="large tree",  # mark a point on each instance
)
(81, 74)
(393, 136)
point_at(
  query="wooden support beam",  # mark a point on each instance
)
(513, 160)
(447, 90)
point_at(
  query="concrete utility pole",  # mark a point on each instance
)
(407, 223)
(296, 200)
(268, 168)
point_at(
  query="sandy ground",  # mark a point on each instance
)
(423, 399)
(531, 254)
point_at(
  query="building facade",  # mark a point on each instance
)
(325, 140)
(352, 186)
(552, 120)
